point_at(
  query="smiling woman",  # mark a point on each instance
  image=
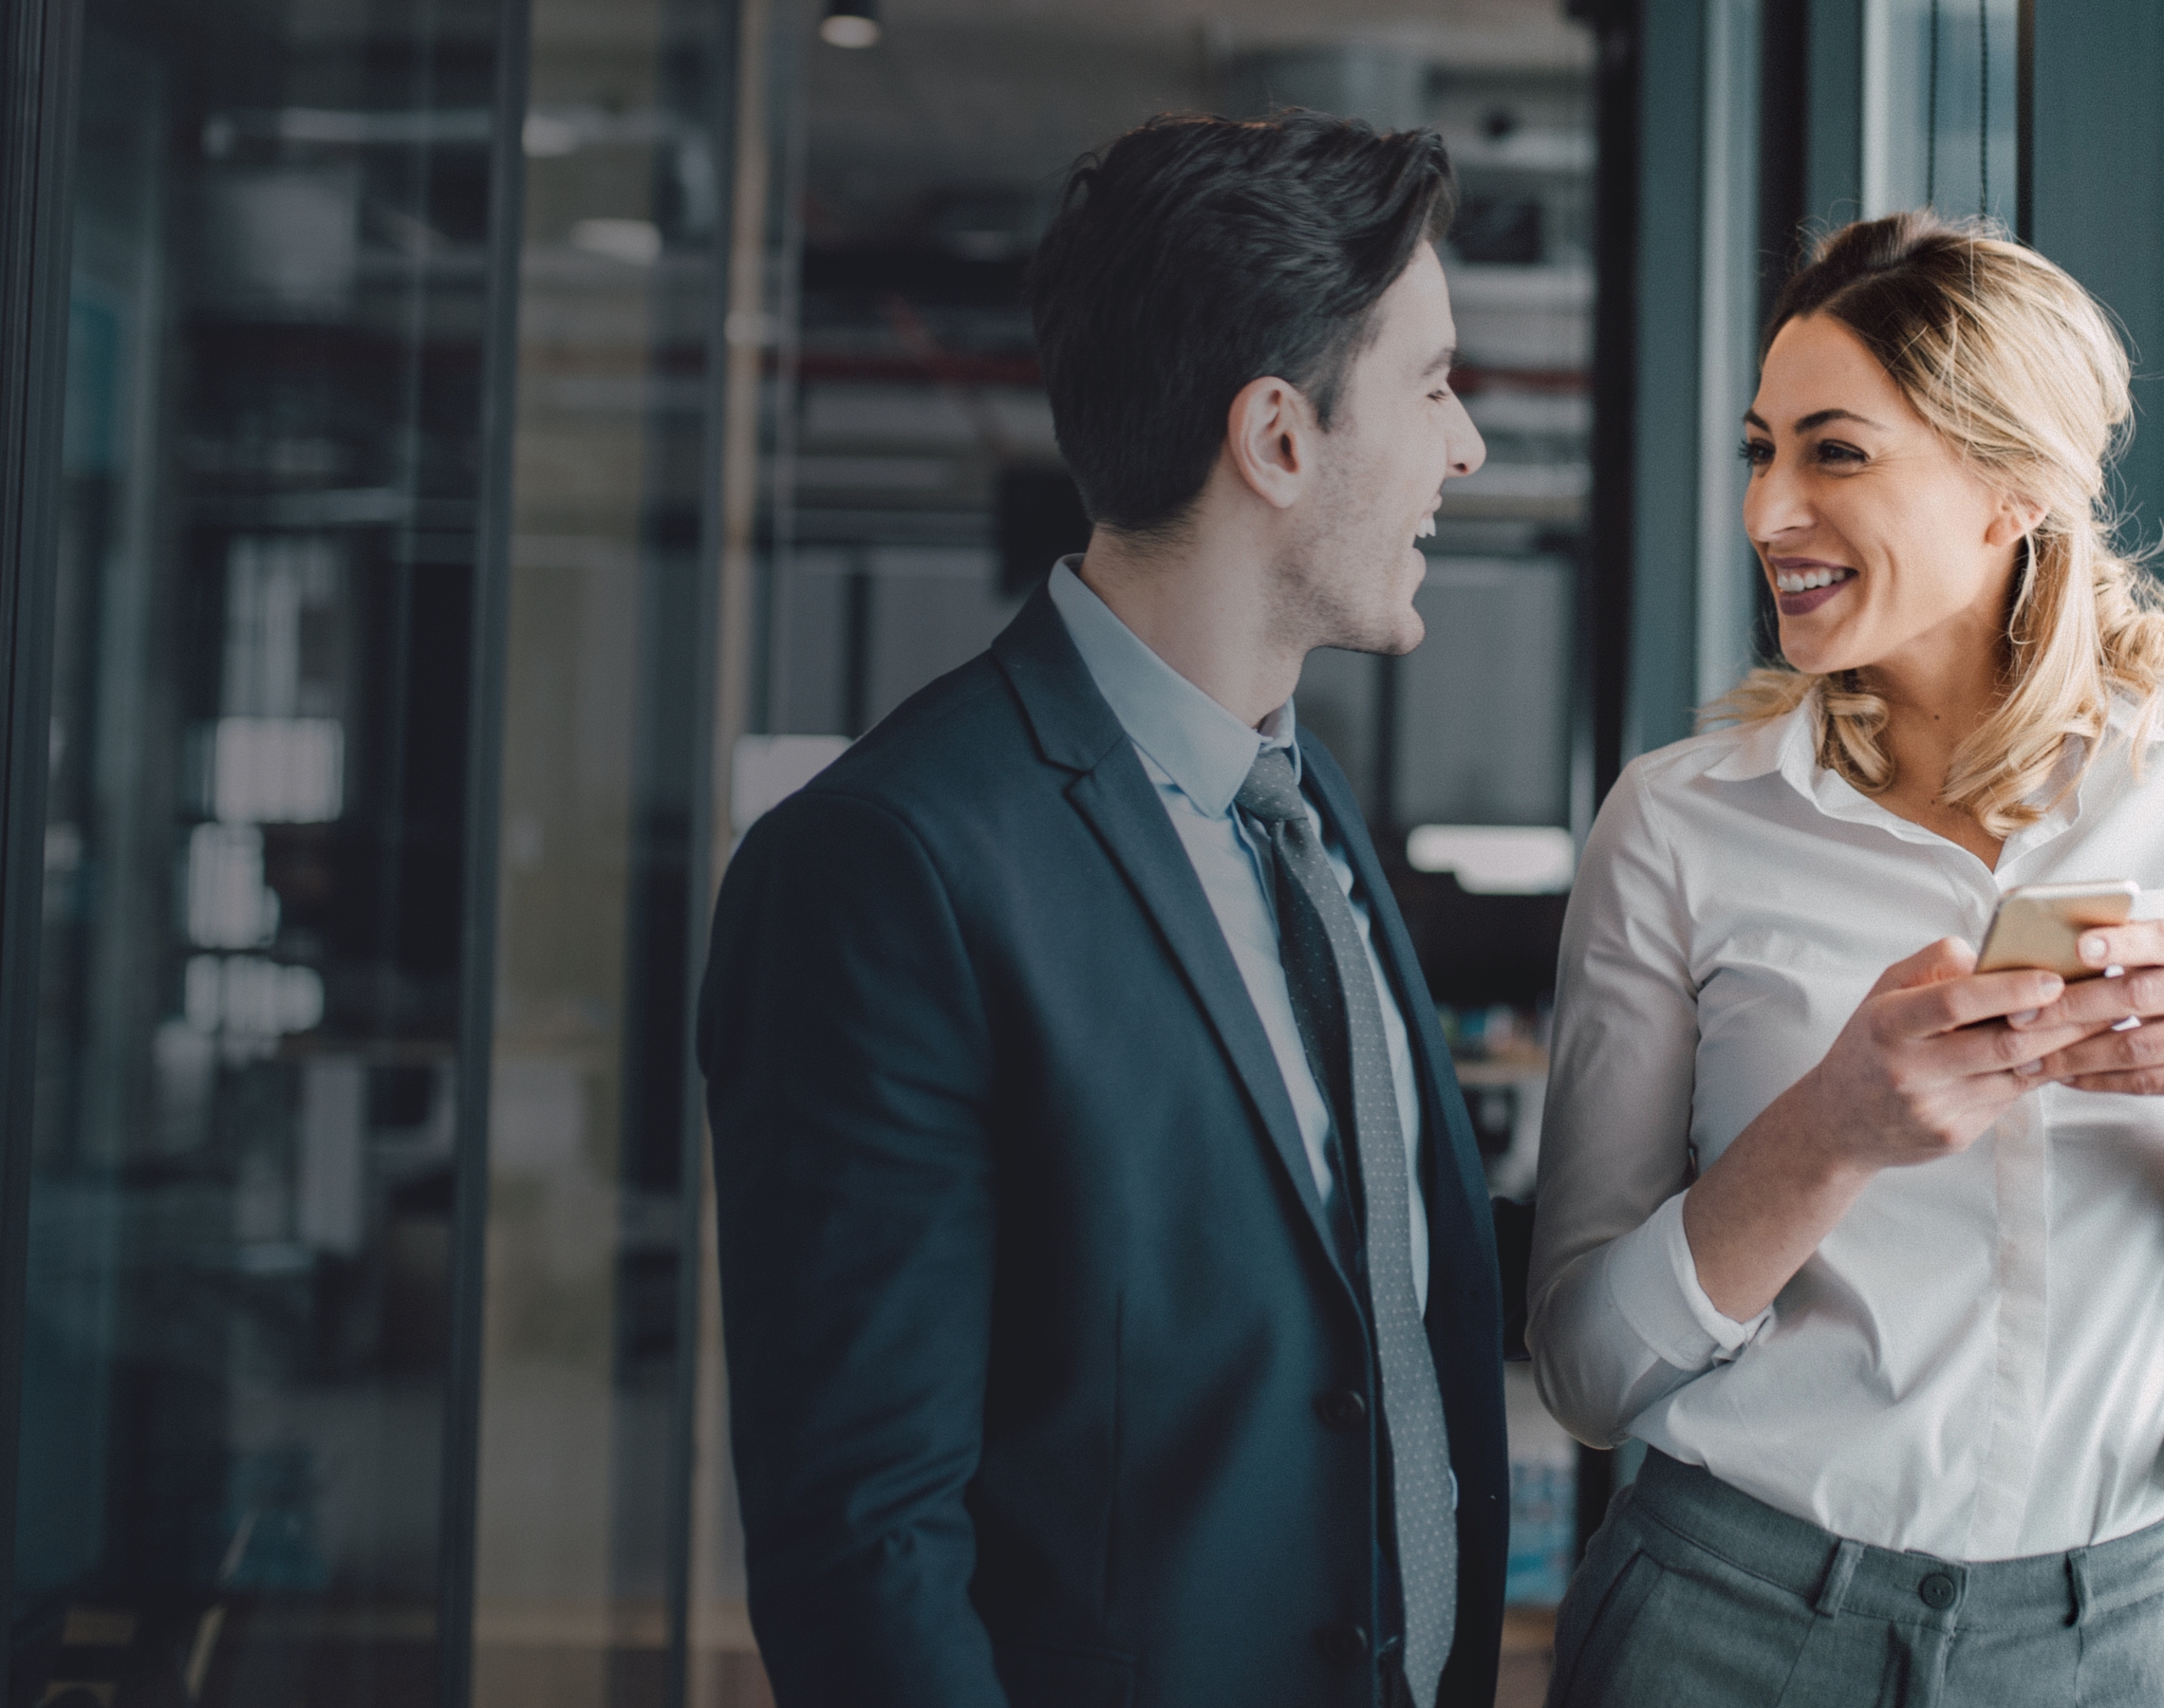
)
(1883, 1369)
(1939, 406)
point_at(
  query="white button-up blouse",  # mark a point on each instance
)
(1972, 1363)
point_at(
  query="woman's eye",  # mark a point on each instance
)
(1831, 451)
(1439, 394)
(1755, 452)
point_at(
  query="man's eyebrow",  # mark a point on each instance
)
(1818, 417)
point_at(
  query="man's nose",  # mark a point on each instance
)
(1468, 451)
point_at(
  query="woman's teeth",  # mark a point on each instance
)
(1426, 528)
(1803, 580)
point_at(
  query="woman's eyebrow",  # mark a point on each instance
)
(1818, 417)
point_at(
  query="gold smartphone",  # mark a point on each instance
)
(2041, 925)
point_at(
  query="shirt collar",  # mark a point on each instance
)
(1204, 750)
(1789, 744)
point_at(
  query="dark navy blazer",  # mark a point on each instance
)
(1046, 1387)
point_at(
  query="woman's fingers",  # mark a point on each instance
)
(2140, 944)
(1925, 1010)
(1993, 1049)
(2138, 1050)
(2104, 1001)
(2147, 1081)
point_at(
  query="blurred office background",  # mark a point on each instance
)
(461, 460)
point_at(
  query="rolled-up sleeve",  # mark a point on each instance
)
(1617, 1316)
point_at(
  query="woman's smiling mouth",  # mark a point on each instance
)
(1803, 584)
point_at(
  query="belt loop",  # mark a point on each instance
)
(1838, 1574)
(2077, 1578)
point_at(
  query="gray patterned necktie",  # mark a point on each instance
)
(1340, 1017)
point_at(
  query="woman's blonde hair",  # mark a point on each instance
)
(2016, 367)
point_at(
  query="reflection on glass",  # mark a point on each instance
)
(240, 1213)
(582, 1488)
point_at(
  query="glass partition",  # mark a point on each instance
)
(779, 453)
(232, 1480)
(1939, 107)
(591, 1239)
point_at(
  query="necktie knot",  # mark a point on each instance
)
(1271, 793)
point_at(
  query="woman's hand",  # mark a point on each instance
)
(2128, 1054)
(1923, 1065)
(1928, 1061)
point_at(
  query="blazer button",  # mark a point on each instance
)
(1342, 1408)
(1345, 1642)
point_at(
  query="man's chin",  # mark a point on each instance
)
(1391, 636)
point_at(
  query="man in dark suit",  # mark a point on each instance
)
(1109, 1285)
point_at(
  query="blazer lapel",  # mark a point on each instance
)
(1076, 729)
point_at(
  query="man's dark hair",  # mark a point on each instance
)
(1196, 254)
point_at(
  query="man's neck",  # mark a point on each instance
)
(1197, 604)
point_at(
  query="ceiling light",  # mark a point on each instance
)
(851, 23)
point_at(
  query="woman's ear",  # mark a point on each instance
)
(2015, 517)
(1270, 434)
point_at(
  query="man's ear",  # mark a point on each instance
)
(1270, 438)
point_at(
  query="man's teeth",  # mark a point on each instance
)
(1426, 528)
(1804, 581)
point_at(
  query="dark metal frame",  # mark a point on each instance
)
(1605, 596)
(1784, 123)
(40, 64)
(1605, 564)
(455, 1544)
(1785, 94)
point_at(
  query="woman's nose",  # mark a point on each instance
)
(1774, 503)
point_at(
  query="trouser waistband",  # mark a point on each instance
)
(1839, 1575)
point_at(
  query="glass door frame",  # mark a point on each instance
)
(40, 55)
(477, 913)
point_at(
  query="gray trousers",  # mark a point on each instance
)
(1694, 1595)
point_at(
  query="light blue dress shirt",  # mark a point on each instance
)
(1197, 754)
